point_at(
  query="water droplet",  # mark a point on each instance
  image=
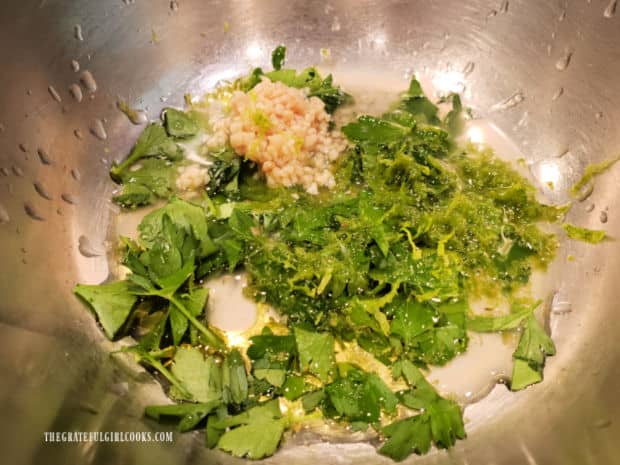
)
(23, 147)
(492, 14)
(78, 133)
(17, 171)
(76, 92)
(4, 171)
(87, 249)
(4, 215)
(68, 198)
(54, 93)
(75, 174)
(1, 128)
(562, 16)
(38, 187)
(88, 81)
(558, 93)
(589, 207)
(174, 5)
(509, 102)
(610, 10)
(134, 115)
(44, 158)
(560, 304)
(77, 32)
(603, 216)
(29, 92)
(469, 68)
(98, 130)
(32, 213)
(335, 27)
(564, 61)
(75, 66)
(504, 6)
(598, 115)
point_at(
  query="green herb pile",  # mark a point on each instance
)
(416, 228)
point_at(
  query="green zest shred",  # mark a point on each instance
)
(416, 228)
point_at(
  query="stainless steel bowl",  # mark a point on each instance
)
(545, 73)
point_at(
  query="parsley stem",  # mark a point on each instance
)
(212, 338)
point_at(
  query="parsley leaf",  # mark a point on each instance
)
(153, 179)
(258, 435)
(111, 302)
(593, 236)
(441, 419)
(152, 142)
(195, 303)
(278, 57)
(485, 324)
(316, 352)
(411, 435)
(188, 415)
(202, 377)
(359, 396)
(179, 124)
(529, 355)
(234, 379)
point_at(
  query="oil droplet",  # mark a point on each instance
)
(54, 93)
(589, 207)
(76, 92)
(38, 187)
(32, 213)
(78, 134)
(75, 174)
(134, 115)
(88, 81)
(44, 158)
(510, 102)
(598, 115)
(468, 69)
(23, 147)
(4, 171)
(68, 198)
(562, 16)
(564, 61)
(75, 66)
(17, 171)
(4, 215)
(77, 32)
(98, 130)
(603, 217)
(558, 93)
(87, 249)
(610, 10)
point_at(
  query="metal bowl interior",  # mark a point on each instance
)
(545, 73)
